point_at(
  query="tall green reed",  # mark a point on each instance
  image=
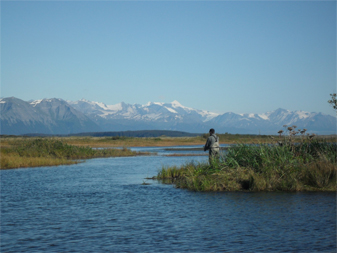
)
(290, 164)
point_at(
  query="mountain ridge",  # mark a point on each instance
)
(58, 116)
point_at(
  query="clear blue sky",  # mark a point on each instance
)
(221, 56)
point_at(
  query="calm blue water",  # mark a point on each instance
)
(101, 205)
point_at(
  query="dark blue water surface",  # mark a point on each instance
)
(101, 205)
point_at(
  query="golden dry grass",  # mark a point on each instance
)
(96, 142)
(9, 161)
(34, 152)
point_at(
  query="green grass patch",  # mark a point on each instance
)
(309, 165)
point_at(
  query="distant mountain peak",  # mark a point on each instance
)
(153, 103)
(48, 100)
(35, 102)
(175, 103)
(84, 100)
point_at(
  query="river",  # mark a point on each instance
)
(102, 205)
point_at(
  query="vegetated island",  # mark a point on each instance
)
(35, 152)
(291, 163)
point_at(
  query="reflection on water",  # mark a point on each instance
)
(101, 205)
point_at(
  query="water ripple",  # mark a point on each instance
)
(101, 205)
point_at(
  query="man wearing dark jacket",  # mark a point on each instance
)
(212, 144)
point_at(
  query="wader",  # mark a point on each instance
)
(214, 151)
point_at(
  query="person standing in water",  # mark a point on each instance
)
(212, 144)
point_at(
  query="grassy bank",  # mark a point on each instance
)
(47, 152)
(121, 141)
(305, 165)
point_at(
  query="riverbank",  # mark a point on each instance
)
(305, 166)
(37, 152)
(120, 141)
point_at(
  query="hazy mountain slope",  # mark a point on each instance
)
(64, 117)
(18, 116)
(47, 116)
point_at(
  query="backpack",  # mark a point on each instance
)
(216, 145)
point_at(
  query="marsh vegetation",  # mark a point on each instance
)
(295, 162)
(33, 152)
(21, 151)
(123, 141)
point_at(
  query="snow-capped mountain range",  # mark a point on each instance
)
(150, 112)
(57, 116)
